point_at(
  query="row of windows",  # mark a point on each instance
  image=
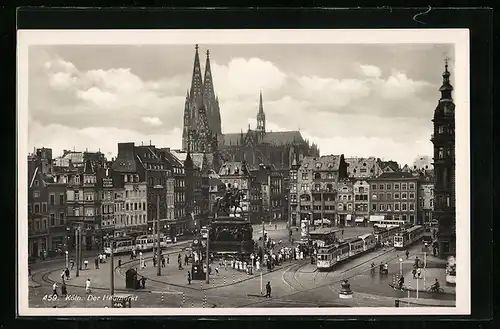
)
(397, 206)
(422, 203)
(362, 197)
(318, 175)
(387, 196)
(388, 186)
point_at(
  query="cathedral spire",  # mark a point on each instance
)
(196, 81)
(208, 85)
(261, 118)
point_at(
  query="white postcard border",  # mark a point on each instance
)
(458, 37)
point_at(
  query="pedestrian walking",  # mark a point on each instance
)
(96, 261)
(54, 290)
(63, 274)
(86, 263)
(186, 260)
(143, 282)
(168, 259)
(87, 286)
(71, 264)
(64, 290)
(414, 272)
(216, 270)
(66, 271)
(162, 261)
(154, 261)
(268, 289)
(189, 277)
(407, 254)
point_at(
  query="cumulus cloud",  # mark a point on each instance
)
(59, 137)
(245, 77)
(153, 121)
(362, 110)
(370, 70)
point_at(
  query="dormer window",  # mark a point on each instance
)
(318, 165)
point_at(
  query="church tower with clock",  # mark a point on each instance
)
(444, 168)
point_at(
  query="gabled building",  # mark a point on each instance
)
(388, 166)
(237, 175)
(317, 181)
(363, 167)
(425, 199)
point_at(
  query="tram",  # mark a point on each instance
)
(385, 234)
(148, 242)
(122, 245)
(330, 255)
(408, 237)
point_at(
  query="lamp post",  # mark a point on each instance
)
(66, 252)
(208, 254)
(400, 267)
(158, 246)
(111, 263)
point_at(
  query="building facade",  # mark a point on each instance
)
(313, 188)
(425, 199)
(345, 203)
(444, 168)
(363, 167)
(237, 175)
(361, 191)
(394, 196)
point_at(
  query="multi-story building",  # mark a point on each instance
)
(363, 167)
(444, 168)
(136, 167)
(237, 175)
(345, 203)
(59, 233)
(108, 205)
(38, 226)
(292, 195)
(272, 192)
(394, 196)
(317, 180)
(83, 204)
(425, 199)
(197, 171)
(361, 189)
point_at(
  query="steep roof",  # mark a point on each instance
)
(89, 167)
(395, 175)
(325, 162)
(355, 166)
(283, 137)
(233, 168)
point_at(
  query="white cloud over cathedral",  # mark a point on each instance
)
(361, 105)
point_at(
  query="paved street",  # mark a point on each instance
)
(294, 283)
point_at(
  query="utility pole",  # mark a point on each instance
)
(77, 234)
(112, 270)
(208, 255)
(158, 246)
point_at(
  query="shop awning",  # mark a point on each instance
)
(359, 220)
(376, 218)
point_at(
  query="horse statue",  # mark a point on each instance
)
(230, 200)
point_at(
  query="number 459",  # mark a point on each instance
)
(50, 298)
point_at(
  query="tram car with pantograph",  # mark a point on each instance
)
(407, 237)
(122, 245)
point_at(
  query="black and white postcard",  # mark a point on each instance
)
(243, 172)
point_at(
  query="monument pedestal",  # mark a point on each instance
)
(345, 292)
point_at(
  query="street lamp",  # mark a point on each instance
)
(400, 267)
(158, 246)
(66, 252)
(111, 241)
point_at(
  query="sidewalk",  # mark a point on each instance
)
(424, 302)
(430, 275)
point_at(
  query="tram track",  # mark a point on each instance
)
(344, 275)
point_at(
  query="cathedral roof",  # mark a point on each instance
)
(277, 138)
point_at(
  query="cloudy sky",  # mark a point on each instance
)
(356, 100)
